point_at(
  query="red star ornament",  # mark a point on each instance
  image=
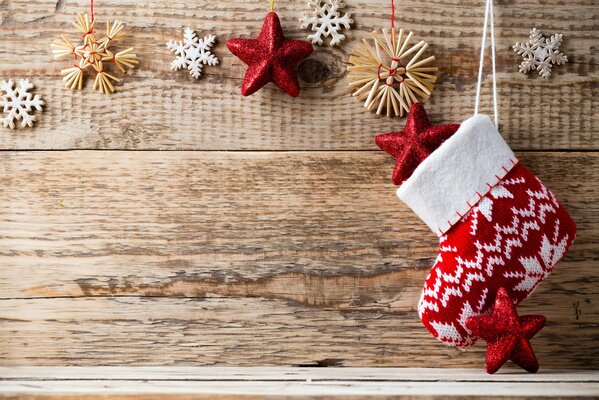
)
(270, 58)
(416, 142)
(507, 335)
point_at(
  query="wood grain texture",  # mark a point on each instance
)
(159, 109)
(291, 374)
(185, 383)
(249, 258)
(274, 236)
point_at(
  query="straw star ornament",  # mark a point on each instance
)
(94, 55)
(389, 74)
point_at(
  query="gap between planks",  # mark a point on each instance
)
(267, 150)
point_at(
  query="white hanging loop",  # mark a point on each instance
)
(488, 16)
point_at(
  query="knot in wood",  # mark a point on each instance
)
(313, 71)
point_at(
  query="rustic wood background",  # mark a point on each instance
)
(269, 233)
(289, 383)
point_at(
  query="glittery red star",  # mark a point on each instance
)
(270, 58)
(416, 142)
(507, 335)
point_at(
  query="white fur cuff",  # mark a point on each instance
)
(449, 182)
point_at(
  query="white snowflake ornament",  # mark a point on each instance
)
(19, 103)
(540, 53)
(326, 21)
(192, 53)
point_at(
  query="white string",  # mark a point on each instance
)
(488, 11)
(495, 102)
(482, 56)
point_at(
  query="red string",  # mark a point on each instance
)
(391, 72)
(379, 72)
(91, 8)
(392, 14)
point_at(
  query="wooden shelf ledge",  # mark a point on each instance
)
(187, 383)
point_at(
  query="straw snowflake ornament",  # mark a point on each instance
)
(388, 73)
(94, 54)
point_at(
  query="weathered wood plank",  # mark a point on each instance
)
(153, 222)
(158, 109)
(253, 331)
(296, 383)
(288, 374)
(185, 390)
(205, 257)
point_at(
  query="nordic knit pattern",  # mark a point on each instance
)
(511, 238)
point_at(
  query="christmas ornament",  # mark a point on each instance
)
(192, 53)
(94, 54)
(19, 103)
(326, 21)
(507, 335)
(390, 76)
(271, 57)
(498, 225)
(416, 142)
(540, 53)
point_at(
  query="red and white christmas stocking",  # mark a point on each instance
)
(498, 225)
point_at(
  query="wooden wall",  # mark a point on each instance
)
(268, 232)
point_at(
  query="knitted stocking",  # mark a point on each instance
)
(498, 226)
